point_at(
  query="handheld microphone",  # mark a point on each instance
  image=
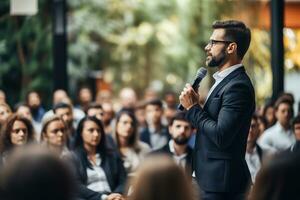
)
(201, 73)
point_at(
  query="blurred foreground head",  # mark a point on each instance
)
(159, 178)
(32, 173)
(278, 179)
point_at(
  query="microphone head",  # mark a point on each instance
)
(201, 73)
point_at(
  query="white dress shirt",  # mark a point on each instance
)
(179, 159)
(97, 180)
(276, 139)
(219, 76)
(253, 163)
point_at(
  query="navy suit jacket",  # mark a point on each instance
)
(222, 129)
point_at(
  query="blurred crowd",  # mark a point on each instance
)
(134, 149)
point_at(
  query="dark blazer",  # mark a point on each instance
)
(113, 167)
(166, 150)
(145, 135)
(222, 130)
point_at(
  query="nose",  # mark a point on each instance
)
(60, 133)
(21, 132)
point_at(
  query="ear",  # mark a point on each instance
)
(232, 48)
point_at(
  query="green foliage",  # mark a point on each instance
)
(25, 52)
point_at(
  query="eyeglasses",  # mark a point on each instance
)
(213, 42)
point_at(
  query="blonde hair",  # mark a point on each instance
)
(47, 121)
(159, 178)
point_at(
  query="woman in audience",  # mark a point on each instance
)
(17, 131)
(98, 169)
(131, 149)
(159, 178)
(5, 112)
(54, 134)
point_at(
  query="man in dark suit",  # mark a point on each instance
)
(180, 130)
(223, 122)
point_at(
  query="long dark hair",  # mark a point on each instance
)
(79, 147)
(133, 139)
(5, 140)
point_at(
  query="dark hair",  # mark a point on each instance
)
(155, 102)
(282, 100)
(35, 174)
(235, 31)
(134, 137)
(278, 178)
(20, 104)
(101, 147)
(94, 105)
(296, 120)
(61, 105)
(178, 116)
(5, 141)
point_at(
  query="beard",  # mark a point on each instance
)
(181, 140)
(215, 61)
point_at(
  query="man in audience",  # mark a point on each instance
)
(34, 102)
(253, 151)
(279, 137)
(108, 116)
(155, 134)
(95, 109)
(296, 130)
(180, 130)
(65, 111)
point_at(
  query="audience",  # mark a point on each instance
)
(279, 137)
(130, 148)
(36, 174)
(155, 134)
(159, 178)
(16, 132)
(99, 169)
(180, 130)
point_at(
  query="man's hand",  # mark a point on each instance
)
(188, 97)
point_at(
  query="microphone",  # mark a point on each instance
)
(201, 73)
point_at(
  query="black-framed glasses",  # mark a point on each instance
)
(213, 42)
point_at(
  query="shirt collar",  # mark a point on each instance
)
(218, 76)
(172, 149)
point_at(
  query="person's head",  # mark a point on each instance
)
(150, 94)
(126, 129)
(180, 129)
(253, 131)
(169, 113)
(230, 40)
(33, 100)
(262, 124)
(269, 114)
(128, 98)
(139, 112)
(90, 134)
(23, 110)
(2, 96)
(95, 109)
(54, 132)
(59, 95)
(65, 111)
(109, 112)
(5, 112)
(159, 178)
(35, 173)
(154, 111)
(278, 179)
(17, 131)
(283, 111)
(170, 98)
(296, 127)
(85, 96)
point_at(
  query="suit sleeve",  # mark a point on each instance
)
(237, 102)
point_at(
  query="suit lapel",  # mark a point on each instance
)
(223, 83)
